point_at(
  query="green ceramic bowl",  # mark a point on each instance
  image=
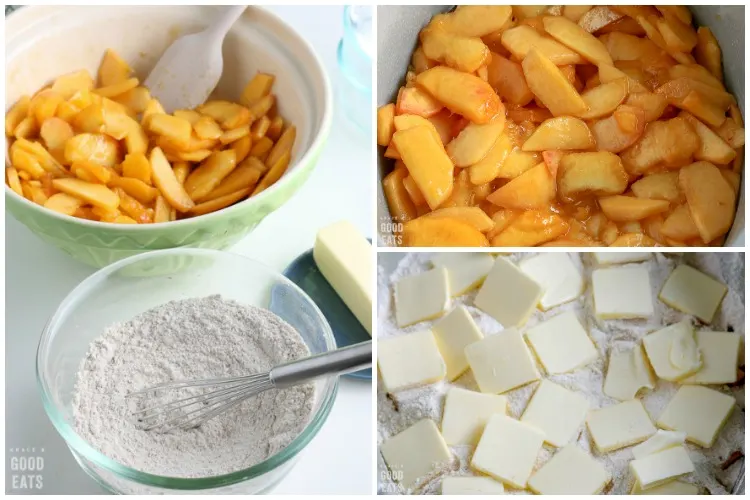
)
(43, 42)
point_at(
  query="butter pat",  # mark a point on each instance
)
(453, 333)
(508, 295)
(558, 276)
(420, 297)
(697, 411)
(466, 271)
(571, 471)
(344, 258)
(628, 373)
(660, 441)
(620, 425)
(661, 467)
(693, 292)
(673, 351)
(614, 258)
(471, 485)
(501, 362)
(721, 354)
(669, 488)
(561, 344)
(557, 412)
(466, 413)
(409, 360)
(507, 450)
(622, 292)
(415, 453)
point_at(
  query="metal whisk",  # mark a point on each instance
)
(225, 393)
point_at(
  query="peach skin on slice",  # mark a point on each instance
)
(462, 93)
(534, 188)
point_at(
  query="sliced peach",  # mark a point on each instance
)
(679, 224)
(678, 36)
(599, 173)
(414, 193)
(445, 122)
(572, 35)
(696, 104)
(164, 178)
(427, 162)
(609, 73)
(475, 20)
(604, 99)
(535, 188)
(710, 197)
(713, 148)
(658, 186)
(671, 143)
(385, 123)
(403, 122)
(475, 141)
(415, 101)
(563, 133)
(677, 90)
(400, 205)
(598, 17)
(518, 162)
(522, 39)
(619, 131)
(531, 228)
(708, 52)
(653, 105)
(462, 93)
(633, 240)
(463, 53)
(508, 80)
(473, 216)
(488, 168)
(95, 194)
(549, 84)
(428, 231)
(98, 148)
(620, 208)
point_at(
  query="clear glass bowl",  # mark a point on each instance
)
(354, 55)
(134, 285)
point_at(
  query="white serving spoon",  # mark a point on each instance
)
(190, 68)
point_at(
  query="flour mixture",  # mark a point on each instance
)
(201, 338)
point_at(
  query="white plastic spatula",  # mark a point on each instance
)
(190, 68)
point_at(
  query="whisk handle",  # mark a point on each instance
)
(345, 360)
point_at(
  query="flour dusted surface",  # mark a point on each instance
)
(398, 411)
(199, 338)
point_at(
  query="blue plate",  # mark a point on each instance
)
(346, 328)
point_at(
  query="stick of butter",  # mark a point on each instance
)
(344, 258)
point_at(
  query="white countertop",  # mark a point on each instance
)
(339, 460)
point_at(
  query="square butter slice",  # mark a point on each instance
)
(721, 355)
(699, 412)
(669, 488)
(422, 296)
(622, 292)
(466, 413)
(571, 471)
(561, 344)
(343, 256)
(615, 258)
(409, 360)
(508, 294)
(471, 485)
(620, 425)
(628, 372)
(556, 411)
(673, 351)
(453, 333)
(558, 276)
(413, 454)
(501, 362)
(466, 271)
(508, 450)
(693, 292)
(661, 467)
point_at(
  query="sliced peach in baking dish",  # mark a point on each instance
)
(488, 168)
(508, 80)
(563, 133)
(572, 35)
(531, 228)
(400, 205)
(620, 208)
(604, 99)
(473, 143)
(463, 53)
(549, 84)
(598, 173)
(427, 162)
(620, 130)
(475, 20)
(415, 101)
(462, 93)
(670, 143)
(535, 188)
(473, 216)
(710, 197)
(428, 231)
(659, 186)
(522, 39)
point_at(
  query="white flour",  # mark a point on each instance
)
(191, 339)
(399, 411)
